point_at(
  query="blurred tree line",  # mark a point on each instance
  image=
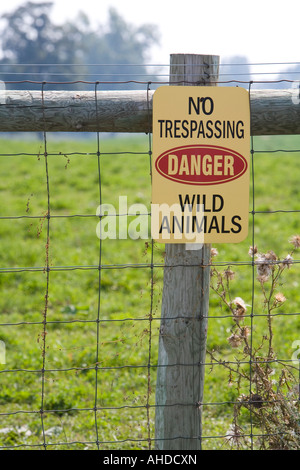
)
(33, 48)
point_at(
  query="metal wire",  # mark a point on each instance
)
(117, 73)
(144, 437)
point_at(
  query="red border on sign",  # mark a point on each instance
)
(240, 163)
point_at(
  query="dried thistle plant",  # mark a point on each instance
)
(273, 400)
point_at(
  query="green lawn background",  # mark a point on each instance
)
(130, 292)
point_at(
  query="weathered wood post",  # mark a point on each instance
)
(182, 342)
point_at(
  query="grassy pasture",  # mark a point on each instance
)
(130, 290)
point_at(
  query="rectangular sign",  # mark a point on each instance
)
(200, 166)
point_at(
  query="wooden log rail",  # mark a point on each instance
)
(273, 112)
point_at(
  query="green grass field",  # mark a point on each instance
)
(123, 385)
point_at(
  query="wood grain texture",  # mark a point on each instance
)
(112, 111)
(182, 346)
(273, 112)
(183, 331)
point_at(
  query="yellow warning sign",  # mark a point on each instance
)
(200, 167)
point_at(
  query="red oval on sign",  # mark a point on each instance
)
(201, 164)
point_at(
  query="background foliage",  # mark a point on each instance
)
(30, 38)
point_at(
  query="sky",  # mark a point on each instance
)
(262, 30)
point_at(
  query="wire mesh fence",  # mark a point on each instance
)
(80, 313)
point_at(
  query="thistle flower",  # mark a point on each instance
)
(245, 332)
(235, 340)
(239, 302)
(280, 298)
(287, 261)
(252, 250)
(271, 256)
(229, 275)
(264, 265)
(262, 278)
(295, 240)
(240, 309)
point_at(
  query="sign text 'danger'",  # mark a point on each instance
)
(201, 165)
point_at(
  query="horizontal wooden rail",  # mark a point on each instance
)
(273, 112)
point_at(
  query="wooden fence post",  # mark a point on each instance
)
(182, 342)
